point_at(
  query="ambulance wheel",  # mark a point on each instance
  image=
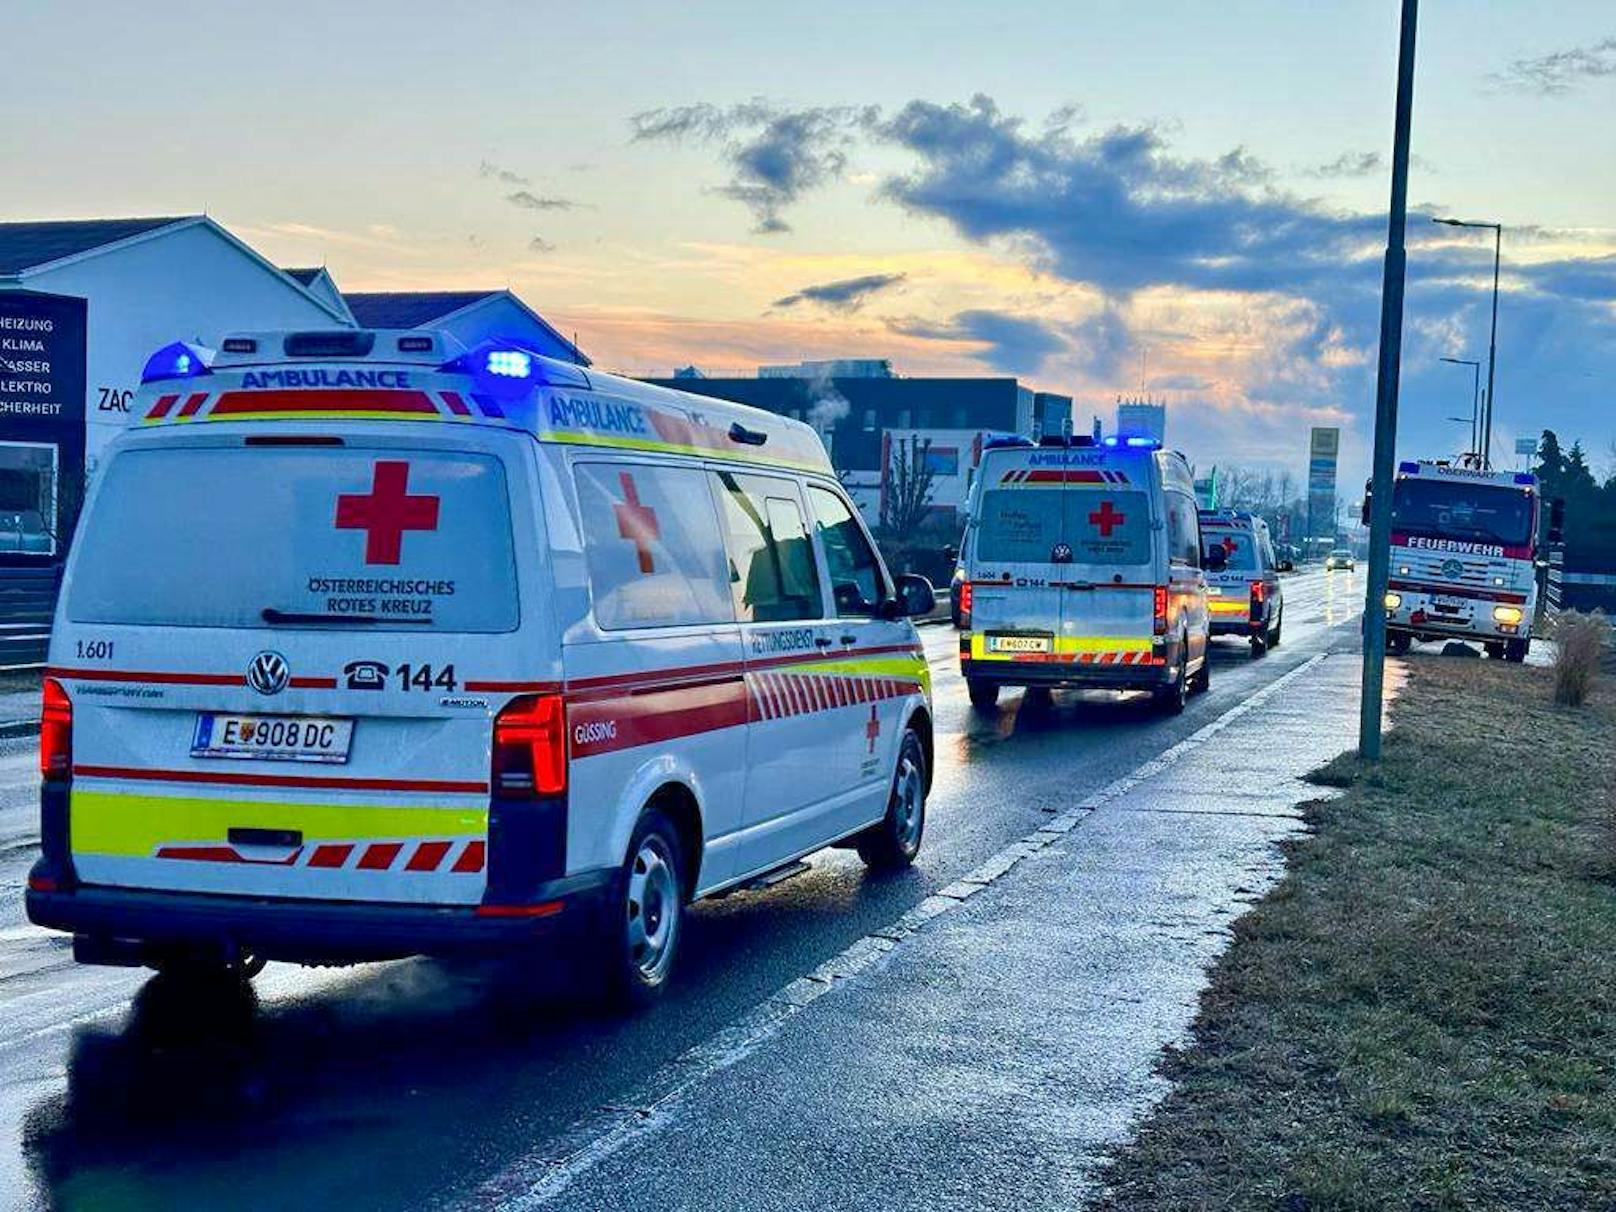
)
(1398, 642)
(894, 842)
(1202, 681)
(1515, 651)
(199, 968)
(984, 695)
(1169, 700)
(1273, 636)
(648, 917)
(1259, 647)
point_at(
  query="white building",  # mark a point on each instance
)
(146, 283)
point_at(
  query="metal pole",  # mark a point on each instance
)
(1391, 348)
(1492, 351)
(1475, 407)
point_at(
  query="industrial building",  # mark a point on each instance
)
(865, 415)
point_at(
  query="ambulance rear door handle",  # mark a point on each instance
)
(264, 837)
(823, 641)
(850, 639)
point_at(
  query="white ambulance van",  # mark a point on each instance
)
(1244, 594)
(370, 645)
(1083, 569)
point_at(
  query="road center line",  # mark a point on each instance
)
(536, 1180)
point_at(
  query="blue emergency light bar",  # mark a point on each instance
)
(1408, 469)
(1136, 442)
(504, 367)
(176, 361)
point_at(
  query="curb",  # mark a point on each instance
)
(16, 728)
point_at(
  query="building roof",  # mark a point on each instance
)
(410, 308)
(303, 275)
(25, 246)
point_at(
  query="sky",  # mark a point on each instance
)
(1097, 197)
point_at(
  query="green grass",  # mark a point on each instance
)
(1422, 1015)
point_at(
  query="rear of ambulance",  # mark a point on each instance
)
(1235, 583)
(1064, 578)
(302, 699)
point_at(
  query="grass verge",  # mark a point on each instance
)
(1422, 1015)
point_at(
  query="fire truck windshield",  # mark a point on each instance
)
(1494, 513)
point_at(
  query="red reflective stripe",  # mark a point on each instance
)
(405, 403)
(206, 854)
(163, 677)
(330, 854)
(456, 404)
(231, 779)
(470, 860)
(192, 403)
(658, 715)
(542, 909)
(379, 856)
(312, 683)
(427, 856)
(160, 409)
(514, 687)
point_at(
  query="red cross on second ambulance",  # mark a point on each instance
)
(636, 522)
(1107, 519)
(872, 730)
(387, 512)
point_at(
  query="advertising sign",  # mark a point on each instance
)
(42, 384)
(1526, 446)
(1324, 446)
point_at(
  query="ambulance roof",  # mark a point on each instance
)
(420, 375)
(1229, 519)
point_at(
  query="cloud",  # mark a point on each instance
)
(1018, 345)
(848, 294)
(775, 154)
(503, 175)
(539, 244)
(528, 201)
(1350, 164)
(1559, 72)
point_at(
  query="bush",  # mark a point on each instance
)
(1580, 641)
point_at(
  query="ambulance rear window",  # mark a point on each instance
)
(1236, 544)
(288, 536)
(1026, 525)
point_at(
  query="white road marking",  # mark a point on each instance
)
(536, 1180)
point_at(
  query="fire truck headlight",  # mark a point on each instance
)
(1393, 601)
(1508, 615)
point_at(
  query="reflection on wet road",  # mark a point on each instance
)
(404, 1084)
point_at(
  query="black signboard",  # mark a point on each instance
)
(42, 385)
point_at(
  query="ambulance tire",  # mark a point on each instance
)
(984, 695)
(1273, 636)
(189, 967)
(892, 844)
(645, 920)
(1169, 700)
(1202, 681)
(1259, 647)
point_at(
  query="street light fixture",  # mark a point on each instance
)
(1492, 341)
(1475, 397)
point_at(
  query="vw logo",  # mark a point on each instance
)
(1062, 554)
(268, 673)
(1452, 569)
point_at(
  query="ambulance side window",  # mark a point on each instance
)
(855, 572)
(1183, 532)
(772, 574)
(651, 545)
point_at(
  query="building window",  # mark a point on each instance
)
(869, 420)
(942, 460)
(28, 498)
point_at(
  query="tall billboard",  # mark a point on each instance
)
(1324, 448)
(42, 386)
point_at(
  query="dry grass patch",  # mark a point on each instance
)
(1422, 1015)
(1581, 641)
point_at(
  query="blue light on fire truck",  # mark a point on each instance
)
(176, 361)
(1408, 469)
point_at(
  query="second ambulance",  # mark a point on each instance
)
(370, 645)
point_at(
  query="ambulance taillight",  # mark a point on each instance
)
(55, 733)
(1161, 610)
(530, 748)
(965, 603)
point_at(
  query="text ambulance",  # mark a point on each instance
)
(1083, 569)
(370, 646)
(1463, 557)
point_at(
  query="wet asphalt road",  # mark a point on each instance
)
(409, 1084)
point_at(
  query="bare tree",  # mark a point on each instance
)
(910, 481)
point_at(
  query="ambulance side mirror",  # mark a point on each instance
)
(913, 597)
(951, 554)
(1557, 520)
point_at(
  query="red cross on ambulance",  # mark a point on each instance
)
(1107, 519)
(636, 522)
(387, 512)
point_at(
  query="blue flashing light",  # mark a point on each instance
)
(176, 361)
(1525, 477)
(1111, 441)
(1143, 442)
(1406, 468)
(511, 363)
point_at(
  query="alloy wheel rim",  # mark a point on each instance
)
(908, 800)
(653, 910)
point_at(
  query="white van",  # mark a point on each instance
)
(370, 646)
(1244, 591)
(1083, 569)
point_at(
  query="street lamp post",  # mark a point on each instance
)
(1492, 340)
(1386, 383)
(1475, 398)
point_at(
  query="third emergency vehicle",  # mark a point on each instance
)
(1245, 596)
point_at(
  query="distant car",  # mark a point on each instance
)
(1340, 559)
